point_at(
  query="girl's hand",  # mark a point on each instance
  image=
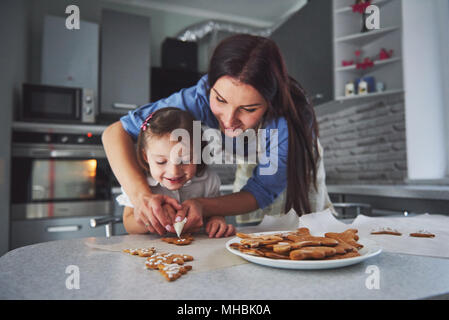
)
(148, 211)
(193, 210)
(217, 227)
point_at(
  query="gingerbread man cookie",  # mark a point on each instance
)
(142, 252)
(314, 253)
(388, 231)
(157, 259)
(349, 237)
(174, 271)
(186, 240)
(303, 234)
(422, 234)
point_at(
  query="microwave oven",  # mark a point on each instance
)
(46, 103)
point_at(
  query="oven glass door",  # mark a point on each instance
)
(63, 179)
(45, 180)
(60, 187)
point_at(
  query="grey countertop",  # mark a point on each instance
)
(435, 192)
(39, 272)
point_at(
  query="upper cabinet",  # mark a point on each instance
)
(125, 62)
(305, 41)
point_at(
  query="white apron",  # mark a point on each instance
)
(319, 199)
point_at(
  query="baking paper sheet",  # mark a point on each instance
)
(208, 253)
(322, 222)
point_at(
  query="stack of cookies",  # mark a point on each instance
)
(301, 245)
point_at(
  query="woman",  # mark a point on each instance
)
(247, 87)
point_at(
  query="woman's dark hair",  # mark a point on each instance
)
(164, 121)
(257, 61)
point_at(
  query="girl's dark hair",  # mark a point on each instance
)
(165, 121)
(257, 61)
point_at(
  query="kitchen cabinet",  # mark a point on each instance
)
(32, 231)
(125, 62)
(305, 41)
(70, 58)
(349, 41)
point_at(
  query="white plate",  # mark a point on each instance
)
(370, 249)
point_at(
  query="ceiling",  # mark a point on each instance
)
(256, 13)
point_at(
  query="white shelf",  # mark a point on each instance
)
(339, 105)
(348, 39)
(363, 38)
(348, 9)
(370, 95)
(377, 63)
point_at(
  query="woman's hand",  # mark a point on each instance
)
(217, 227)
(148, 210)
(170, 212)
(193, 211)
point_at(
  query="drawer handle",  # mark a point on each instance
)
(63, 229)
(130, 106)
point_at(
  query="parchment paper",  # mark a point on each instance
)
(322, 222)
(208, 253)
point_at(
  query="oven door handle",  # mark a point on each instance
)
(63, 228)
(63, 154)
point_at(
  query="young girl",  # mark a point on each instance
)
(172, 174)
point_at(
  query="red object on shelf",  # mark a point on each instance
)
(384, 54)
(360, 7)
(367, 63)
(347, 63)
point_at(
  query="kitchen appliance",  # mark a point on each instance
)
(179, 55)
(48, 103)
(60, 179)
(164, 82)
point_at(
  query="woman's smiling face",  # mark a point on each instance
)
(237, 106)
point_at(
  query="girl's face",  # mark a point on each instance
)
(237, 106)
(162, 162)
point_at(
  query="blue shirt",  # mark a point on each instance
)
(265, 188)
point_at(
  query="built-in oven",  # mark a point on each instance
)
(60, 179)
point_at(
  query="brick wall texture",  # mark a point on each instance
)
(365, 144)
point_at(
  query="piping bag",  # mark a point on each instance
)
(179, 226)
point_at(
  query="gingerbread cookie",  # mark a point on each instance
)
(422, 234)
(174, 271)
(142, 252)
(274, 255)
(185, 240)
(312, 253)
(157, 259)
(351, 254)
(267, 237)
(387, 231)
(312, 241)
(349, 237)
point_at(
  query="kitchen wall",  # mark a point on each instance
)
(13, 66)
(365, 144)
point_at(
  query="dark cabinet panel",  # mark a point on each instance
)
(125, 61)
(306, 43)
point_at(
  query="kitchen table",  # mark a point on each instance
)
(43, 271)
